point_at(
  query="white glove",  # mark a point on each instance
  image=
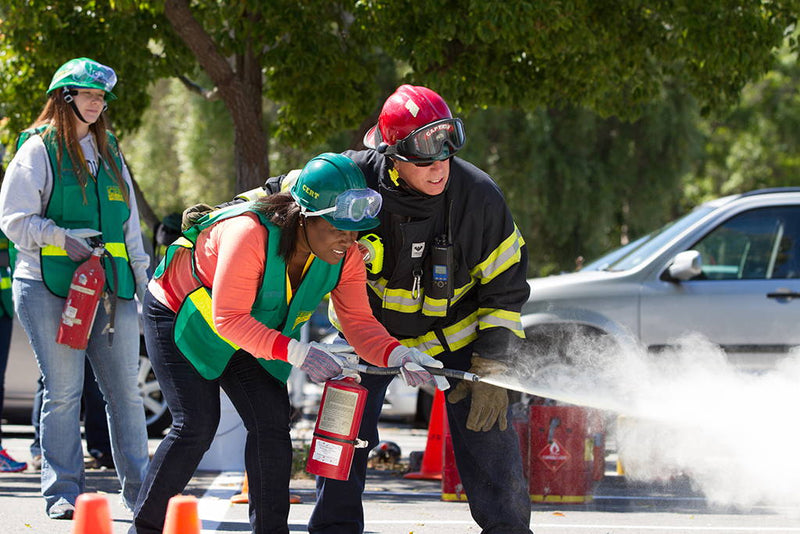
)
(411, 361)
(76, 244)
(321, 361)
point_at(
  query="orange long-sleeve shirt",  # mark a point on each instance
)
(230, 258)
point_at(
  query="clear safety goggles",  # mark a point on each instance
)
(93, 74)
(352, 205)
(432, 142)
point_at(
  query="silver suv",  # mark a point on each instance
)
(729, 270)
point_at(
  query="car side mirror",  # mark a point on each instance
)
(685, 266)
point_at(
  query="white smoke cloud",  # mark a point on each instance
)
(686, 412)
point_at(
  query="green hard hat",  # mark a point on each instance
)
(329, 178)
(86, 73)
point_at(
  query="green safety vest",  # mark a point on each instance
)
(7, 253)
(105, 210)
(194, 332)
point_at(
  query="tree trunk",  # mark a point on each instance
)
(240, 89)
(146, 213)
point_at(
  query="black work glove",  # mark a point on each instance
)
(193, 214)
(489, 403)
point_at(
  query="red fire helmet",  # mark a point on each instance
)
(406, 112)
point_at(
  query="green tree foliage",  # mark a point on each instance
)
(579, 184)
(585, 112)
(321, 61)
(38, 37)
(755, 144)
(183, 151)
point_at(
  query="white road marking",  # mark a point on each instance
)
(215, 502)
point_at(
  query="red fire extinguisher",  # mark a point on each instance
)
(335, 434)
(82, 302)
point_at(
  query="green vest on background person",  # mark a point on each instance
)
(195, 334)
(100, 206)
(7, 258)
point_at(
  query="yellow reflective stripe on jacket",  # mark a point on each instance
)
(5, 282)
(493, 318)
(202, 301)
(401, 300)
(505, 255)
(457, 335)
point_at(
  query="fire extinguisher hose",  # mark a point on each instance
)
(112, 296)
(448, 373)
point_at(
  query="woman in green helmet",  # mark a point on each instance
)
(68, 182)
(225, 308)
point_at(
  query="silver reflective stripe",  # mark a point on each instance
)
(490, 318)
(505, 255)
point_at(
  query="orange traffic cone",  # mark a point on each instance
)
(92, 515)
(243, 498)
(431, 468)
(182, 517)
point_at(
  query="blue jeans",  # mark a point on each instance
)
(489, 463)
(95, 422)
(62, 370)
(260, 399)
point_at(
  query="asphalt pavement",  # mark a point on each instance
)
(396, 505)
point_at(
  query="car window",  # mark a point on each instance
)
(757, 244)
(635, 252)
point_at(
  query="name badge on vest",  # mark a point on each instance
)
(417, 249)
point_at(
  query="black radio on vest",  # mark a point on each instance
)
(441, 263)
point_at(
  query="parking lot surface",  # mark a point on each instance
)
(395, 505)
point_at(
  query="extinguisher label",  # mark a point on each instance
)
(327, 452)
(81, 289)
(554, 455)
(338, 411)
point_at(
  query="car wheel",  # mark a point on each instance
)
(156, 411)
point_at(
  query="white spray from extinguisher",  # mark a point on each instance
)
(684, 413)
(83, 299)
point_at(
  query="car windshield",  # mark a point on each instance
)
(630, 255)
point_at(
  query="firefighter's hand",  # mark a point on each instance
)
(489, 403)
(76, 244)
(193, 214)
(320, 361)
(411, 361)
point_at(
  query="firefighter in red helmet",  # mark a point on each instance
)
(452, 282)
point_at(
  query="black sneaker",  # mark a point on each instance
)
(99, 460)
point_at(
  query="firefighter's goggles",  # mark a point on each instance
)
(435, 141)
(353, 205)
